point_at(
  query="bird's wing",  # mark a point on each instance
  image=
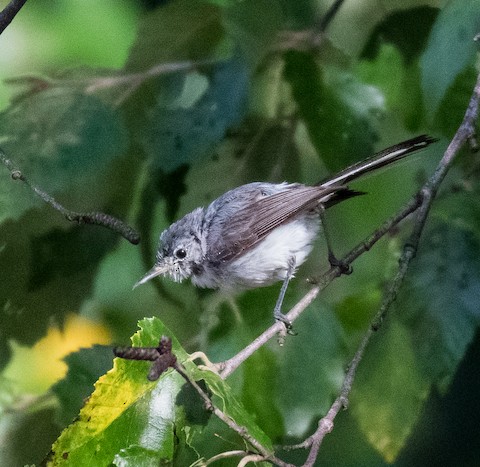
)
(247, 226)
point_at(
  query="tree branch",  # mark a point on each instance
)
(464, 134)
(9, 12)
(97, 218)
(91, 85)
(309, 38)
(265, 454)
(229, 366)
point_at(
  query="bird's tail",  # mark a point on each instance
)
(379, 160)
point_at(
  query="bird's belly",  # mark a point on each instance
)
(268, 261)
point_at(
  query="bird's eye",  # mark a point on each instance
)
(180, 253)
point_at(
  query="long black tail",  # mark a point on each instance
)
(379, 160)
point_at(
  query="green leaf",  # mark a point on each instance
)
(452, 108)
(260, 391)
(220, 169)
(253, 25)
(233, 408)
(339, 111)
(422, 344)
(130, 421)
(84, 368)
(15, 197)
(179, 31)
(268, 151)
(403, 94)
(406, 29)
(356, 311)
(319, 348)
(124, 411)
(59, 139)
(40, 259)
(184, 125)
(136, 456)
(461, 209)
(389, 390)
(27, 434)
(449, 51)
(443, 322)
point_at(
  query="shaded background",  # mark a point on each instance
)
(256, 105)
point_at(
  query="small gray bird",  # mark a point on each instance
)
(259, 233)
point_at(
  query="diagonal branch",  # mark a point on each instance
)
(9, 12)
(229, 366)
(307, 39)
(464, 134)
(265, 453)
(96, 218)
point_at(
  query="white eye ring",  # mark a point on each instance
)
(180, 253)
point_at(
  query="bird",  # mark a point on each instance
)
(259, 233)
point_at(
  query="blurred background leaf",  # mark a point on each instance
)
(246, 98)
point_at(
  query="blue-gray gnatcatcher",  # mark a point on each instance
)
(257, 234)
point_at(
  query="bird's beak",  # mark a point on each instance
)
(157, 270)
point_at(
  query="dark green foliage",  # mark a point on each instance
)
(213, 94)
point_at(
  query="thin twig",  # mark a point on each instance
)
(328, 16)
(463, 135)
(92, 85)
(227, 367)
(310, 38)
(265, 453)
(224, 455)
(97, 218)
(9, 12)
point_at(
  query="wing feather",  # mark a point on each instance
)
(244, 228)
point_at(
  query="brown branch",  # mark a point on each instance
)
(91, 85)
(464, 134)
(9, 12)
(96, 218)
(229, 366)
(265, 454)
(328, 16)
(307, 39)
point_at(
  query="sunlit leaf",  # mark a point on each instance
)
(129, 420)
(84, 368)
(124, 401)
(389, 390)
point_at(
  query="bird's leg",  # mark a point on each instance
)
(277, 311)
(332, 259)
